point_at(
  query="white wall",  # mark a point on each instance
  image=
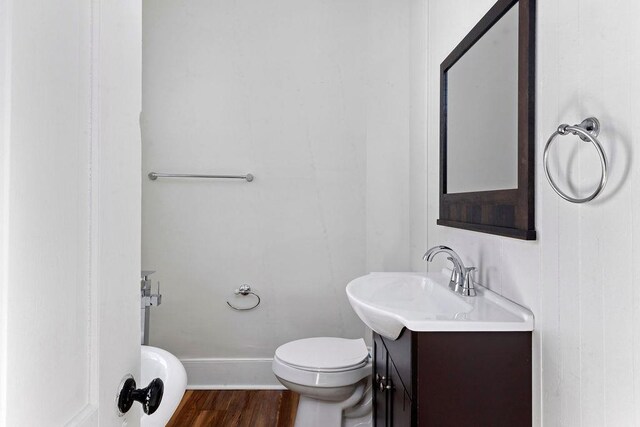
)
(581, 276)
(387, 75)
(310, 97)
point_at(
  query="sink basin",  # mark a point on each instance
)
(390, 302)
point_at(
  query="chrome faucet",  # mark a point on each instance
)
(461, 277)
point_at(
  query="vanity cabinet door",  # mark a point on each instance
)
(402, 354)
(392, 402)
(380, 375)
(400, 401)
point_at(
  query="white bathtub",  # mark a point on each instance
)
(159, 363)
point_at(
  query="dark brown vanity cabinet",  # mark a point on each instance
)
(392, 400)
(439, 379)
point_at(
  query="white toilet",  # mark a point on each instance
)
(333, 378)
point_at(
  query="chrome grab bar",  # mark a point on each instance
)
(155, 175)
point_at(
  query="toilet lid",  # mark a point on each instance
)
(324, 354)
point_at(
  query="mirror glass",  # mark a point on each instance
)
(482, 112)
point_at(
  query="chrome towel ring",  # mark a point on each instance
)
(587, 130)
(245, 290)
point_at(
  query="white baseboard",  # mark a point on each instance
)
(236, 387)
(230, 374)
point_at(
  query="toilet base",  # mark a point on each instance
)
(313, 412)
(365, 421)
(322, 413)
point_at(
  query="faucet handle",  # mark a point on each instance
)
(469, 273)
(467, 288)
(455, 274)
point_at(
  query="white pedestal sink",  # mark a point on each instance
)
(421, 302)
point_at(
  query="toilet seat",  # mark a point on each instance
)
(323, 362)
(324, 354)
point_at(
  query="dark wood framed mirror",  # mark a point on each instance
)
(487, 118)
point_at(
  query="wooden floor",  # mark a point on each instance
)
(236, 408)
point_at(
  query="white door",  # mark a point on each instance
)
(70, 93)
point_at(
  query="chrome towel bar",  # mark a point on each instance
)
(155, 175)
(587, 130)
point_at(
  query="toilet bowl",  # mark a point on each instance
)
(333, 378)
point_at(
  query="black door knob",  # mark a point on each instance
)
(150, 397)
